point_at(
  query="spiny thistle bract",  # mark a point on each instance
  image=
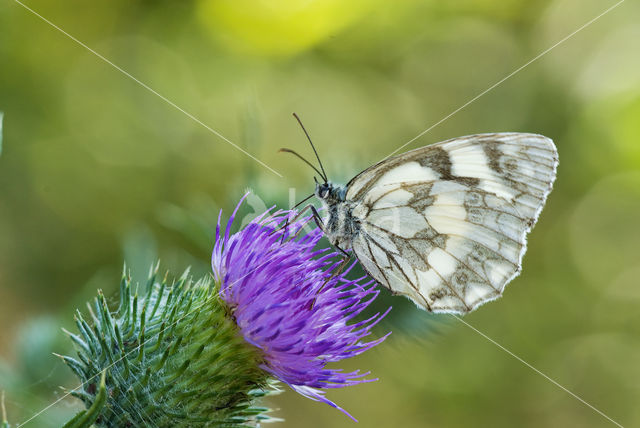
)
(172, 358)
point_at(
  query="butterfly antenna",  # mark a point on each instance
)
(324, 174)
(304, 160)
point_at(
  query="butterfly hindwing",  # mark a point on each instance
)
(446, 224)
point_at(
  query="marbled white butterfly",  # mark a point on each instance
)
(445, 224)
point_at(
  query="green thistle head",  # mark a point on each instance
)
(170, 358)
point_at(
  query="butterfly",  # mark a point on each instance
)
(446, 224)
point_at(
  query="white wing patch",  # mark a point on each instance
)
(446, 224)
(408, 169)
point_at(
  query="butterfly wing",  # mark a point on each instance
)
(446, 224)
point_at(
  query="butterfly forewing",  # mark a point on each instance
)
(446, 224)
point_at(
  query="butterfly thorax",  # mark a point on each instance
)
(339, 226)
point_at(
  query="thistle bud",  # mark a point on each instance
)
(171, 357)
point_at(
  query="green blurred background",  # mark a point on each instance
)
(95, 170)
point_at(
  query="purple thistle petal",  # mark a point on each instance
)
(287, 302)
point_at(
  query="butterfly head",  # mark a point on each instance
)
(329, 192)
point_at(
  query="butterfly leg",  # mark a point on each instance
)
(346, 255)
(292, 220)
(317, 218)
(297, 216)
(343, 264)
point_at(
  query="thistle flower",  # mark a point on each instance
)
(199, 354)
(291, 301)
